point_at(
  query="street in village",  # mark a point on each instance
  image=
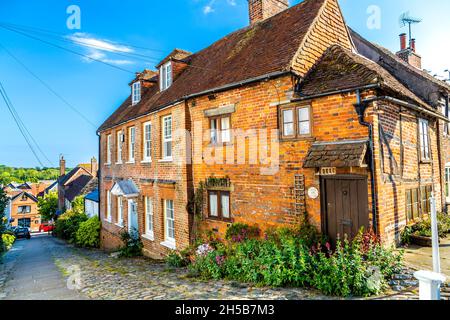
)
(47, 268)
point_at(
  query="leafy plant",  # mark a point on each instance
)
(177, 260)
(88, 233)
(132, 244)
(68, 223)
(3, 203)
(239, 232)
(48, 205)
(423, 228)
(8, 241)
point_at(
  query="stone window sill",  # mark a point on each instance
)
(149, 237)
(120, 225)
(169, 244)
(167, 160)
(147, 161)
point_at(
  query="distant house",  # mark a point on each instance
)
(91, 203)
(23, 211)
(78, 182)
(52, 187)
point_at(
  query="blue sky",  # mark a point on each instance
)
(97, 90)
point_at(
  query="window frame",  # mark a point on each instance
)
(108, 149)
(219, 131)
(119, 147)
(165, 80)
(167, 238)
(425, 202)
(26, 211)
(447, 182)
(166, 140)
(296, 122)
(412, 206)
(147, 144)
(108, 206)
(131, 144)
(219, 216)
(424, 140)
(120, 220)
(149, 218)
(136, 93)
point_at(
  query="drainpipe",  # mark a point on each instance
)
(361, 108)
(99, 173)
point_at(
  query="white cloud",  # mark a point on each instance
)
(232, 2)
(207, 9)
(97, 49)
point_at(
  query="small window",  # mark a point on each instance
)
(166, 76)
(219, 205)
(147, 152)
(120, 211)
(108, 149)
(425, 193)
(149, 217)
(169, 221)
(136, 93)
(295, 122)
(108, 205)
(424, 140)
(447, 182)
(24, 209)
(412, 204)
(167, 138)
(445, 113)
(119, 146)
(132, 143)
(220, 129)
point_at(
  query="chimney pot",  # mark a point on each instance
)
(403, 41)
(413, 45)
(94, 166)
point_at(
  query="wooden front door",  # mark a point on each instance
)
(344, 206)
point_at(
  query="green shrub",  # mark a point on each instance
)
(88, 233)
(285, 259)
(67, 225)
(177, 260)
(423, 228)
(132, 244)
(8, 241)
(239, 232)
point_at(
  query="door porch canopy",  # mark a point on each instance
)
(341, 154)
(125, 188)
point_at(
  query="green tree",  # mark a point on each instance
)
(78, 205)
(3, 203)
(48, 205)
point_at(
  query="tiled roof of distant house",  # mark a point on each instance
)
(265, 48)
(29, 195)
(75, 187)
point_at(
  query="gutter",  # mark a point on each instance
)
(330, 93)
(215, 90)
(99, 172)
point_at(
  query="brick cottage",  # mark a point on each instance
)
(281, 120)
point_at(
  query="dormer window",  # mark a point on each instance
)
(136, 93)
(166, 76)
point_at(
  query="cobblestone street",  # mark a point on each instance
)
(93, 274)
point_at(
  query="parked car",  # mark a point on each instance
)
(46, 227)
(22, 232)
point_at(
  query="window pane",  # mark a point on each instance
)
(225, 126)
(213, 208)
(288, 122)
(225, 203)
(213, 125)
(304, 128)
(303, 114)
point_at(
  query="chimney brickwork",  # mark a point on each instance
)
(260, 10)
(408, 54)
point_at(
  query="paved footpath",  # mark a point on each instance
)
(45, 268)
(28, 272)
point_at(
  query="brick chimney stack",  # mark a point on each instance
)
(94, 166)
(62, 166)
(408, 54)
(260, 10)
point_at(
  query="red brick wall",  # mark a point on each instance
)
(140, 173)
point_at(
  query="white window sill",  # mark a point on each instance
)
(120, 225)
(119, 162)
(146, 161)
(108, 220)
(149, 237)
(166, 160)
(107, 164)
(130, 162)
(169, 244)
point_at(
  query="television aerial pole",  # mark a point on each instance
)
(407, 20)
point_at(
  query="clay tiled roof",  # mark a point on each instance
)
(262, 49)
(336, 154)
(341, 69)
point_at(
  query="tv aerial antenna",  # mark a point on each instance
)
(407, 20)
